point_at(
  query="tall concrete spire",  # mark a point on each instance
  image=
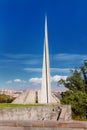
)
(44, 95)
(46, 85)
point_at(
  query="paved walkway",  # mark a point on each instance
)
(43, 125)
(33, 128)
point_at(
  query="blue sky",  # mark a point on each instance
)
(22, 39)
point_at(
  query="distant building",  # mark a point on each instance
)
(9, 92)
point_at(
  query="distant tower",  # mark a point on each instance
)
(46, 84)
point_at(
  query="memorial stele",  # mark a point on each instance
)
(45, 95)
(46, 85)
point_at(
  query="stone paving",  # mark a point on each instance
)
(43, 125)
(28, 128)
(20, 119)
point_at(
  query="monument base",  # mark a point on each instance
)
(34, 96)
(36, 113)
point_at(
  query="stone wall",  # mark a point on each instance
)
(65, 114)
(47, 112)
(30, 113)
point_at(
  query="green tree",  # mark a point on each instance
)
(78, 79)
(5, 99)
(83, 69)
(77, 94)
(78, 101)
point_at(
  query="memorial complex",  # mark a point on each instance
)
(45, 95)
(48, 115)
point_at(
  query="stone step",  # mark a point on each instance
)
(48, 125)
(21, 98)
(34, 128)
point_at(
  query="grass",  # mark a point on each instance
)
(8, 105)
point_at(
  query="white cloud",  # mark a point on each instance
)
(16, 56)
(9, 82)
(18, 80)
(31, 62)
(33, 69)
(29, 59)
(56, 78)
(52, 69)
(60, 69)
(60, 56)
(35, 80)
(66, 56)
(20, 56)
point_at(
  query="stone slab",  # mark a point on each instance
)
(36, 128)
(44, 124)
(46, 112)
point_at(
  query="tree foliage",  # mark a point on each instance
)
(5, 99)
(78, 101)
(77, 94)
(83, 69)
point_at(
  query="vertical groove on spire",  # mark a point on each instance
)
(46, 74)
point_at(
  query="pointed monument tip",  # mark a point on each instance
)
(45, 17)
(45, 20)
(45, 25)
